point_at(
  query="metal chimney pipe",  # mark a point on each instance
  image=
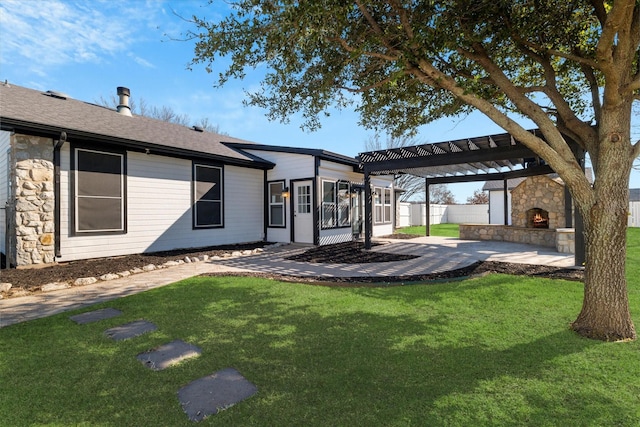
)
(123, 95)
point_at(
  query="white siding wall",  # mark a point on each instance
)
(288, 166)
(4, 187)
(159, 215)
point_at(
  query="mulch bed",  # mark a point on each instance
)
(349, 252)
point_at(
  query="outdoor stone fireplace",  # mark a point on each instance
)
(537, 217)
(538, 202)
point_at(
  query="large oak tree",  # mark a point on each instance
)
(569, 66)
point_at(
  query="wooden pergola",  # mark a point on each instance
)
(485, 158)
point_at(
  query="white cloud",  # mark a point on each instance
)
(48, 33)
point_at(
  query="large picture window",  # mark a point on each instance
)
(208, 194)
(276, 204)
(99, 191)
(336, 204)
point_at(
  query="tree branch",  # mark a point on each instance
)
(600, 11)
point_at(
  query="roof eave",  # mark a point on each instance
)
(54, 131)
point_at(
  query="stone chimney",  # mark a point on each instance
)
(123, 95)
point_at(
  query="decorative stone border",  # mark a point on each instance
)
(5, 288)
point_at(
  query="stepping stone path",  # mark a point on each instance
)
(213, 393)
(200, 398)
(130, 330)
(168, 354)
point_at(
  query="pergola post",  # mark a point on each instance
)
(506, 200)
(368, 209)
(427, 207)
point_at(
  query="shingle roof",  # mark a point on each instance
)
(23, 108)
(634, 195)
(323, 154)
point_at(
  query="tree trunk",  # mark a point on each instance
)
(605, 309)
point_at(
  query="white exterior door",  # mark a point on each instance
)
(302, 212)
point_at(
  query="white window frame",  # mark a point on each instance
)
(377, 205)
(328, 207)
(276, 200)
(386, 202)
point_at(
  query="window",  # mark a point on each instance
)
(276, 204)
(99, 187)
(207, 192)
(377, 205)
(328, 204)
(336, 204)
(304, 199)
(387, 205)
(344, 204)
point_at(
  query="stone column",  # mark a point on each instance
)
(33, 193)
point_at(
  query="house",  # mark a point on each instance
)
(78, 181)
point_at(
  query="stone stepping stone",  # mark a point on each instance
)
(168, 354)
(95, 316)
(214, 393)
(130, 330)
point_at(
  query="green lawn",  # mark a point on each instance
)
(490, 351)
(442, 230)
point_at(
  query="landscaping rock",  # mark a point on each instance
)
(149, 267)
(55, 286)
(187, 260)
(85, 281)
(124, 274)
(109, 276)
(170, 264)
(236, 253)
(136, 270)
(247, 252)
(4, 287)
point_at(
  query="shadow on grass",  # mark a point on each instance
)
(319, 356)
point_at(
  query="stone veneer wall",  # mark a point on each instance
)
(32, 193)
(538, 192)
(563, 239)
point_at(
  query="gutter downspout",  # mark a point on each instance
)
(57, 145)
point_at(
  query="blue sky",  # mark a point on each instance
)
(88, 48)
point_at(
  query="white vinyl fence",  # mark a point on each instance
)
(634, 214)
(412, 214)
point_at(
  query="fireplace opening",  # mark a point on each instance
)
(537, 218)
